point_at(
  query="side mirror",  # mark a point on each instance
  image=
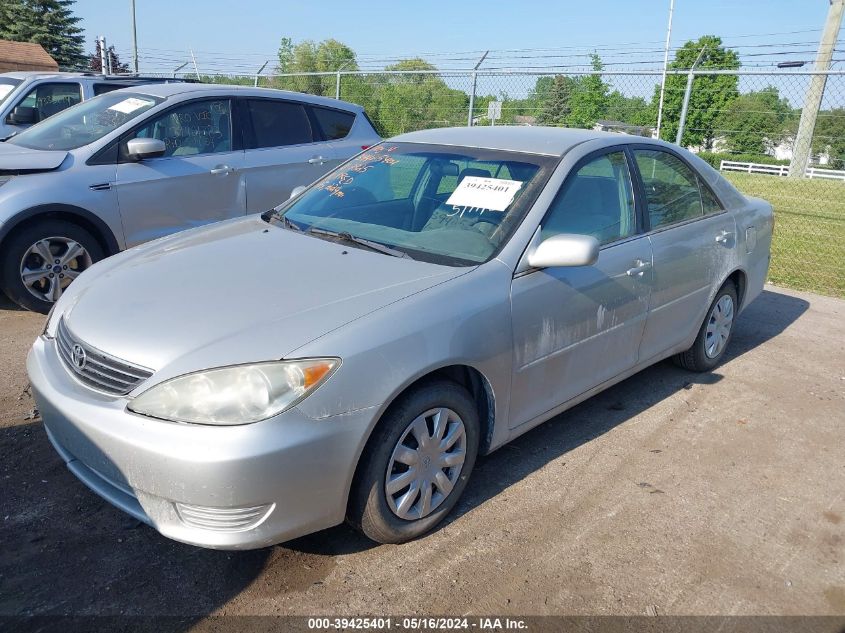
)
(141, 148)
(565, 250)
(296, 191)
(23, 115)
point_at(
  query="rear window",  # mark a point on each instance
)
(278, 123)
(334, 124)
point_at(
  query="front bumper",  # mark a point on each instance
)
(231, 487)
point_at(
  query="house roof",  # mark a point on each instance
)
(25, 56)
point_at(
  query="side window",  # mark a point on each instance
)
(49, 99)
(278, 123)
(198, 127)
(708, 200)
(101, 89)
(335, 124)
(671, 188)
(597, 200)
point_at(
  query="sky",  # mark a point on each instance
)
(239, 37)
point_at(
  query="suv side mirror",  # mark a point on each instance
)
(23, 115)
(141, 148)
(565, 250)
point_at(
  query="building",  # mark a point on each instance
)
(624, 128)
(25, 56)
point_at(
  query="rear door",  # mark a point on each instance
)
(284, 149)
(693, 240)
(199, 179)
(577, 327)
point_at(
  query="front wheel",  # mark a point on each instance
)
(416, 464)
(40, 261)
(715, 333)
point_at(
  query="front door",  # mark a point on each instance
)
(575, 328)
(199, 179)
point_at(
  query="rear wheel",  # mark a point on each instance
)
(416, 464)
(715, 333)
(40, 261)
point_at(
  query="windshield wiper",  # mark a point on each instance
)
(6, 138)
(348, 237)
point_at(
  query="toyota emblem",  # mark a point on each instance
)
(78, 356)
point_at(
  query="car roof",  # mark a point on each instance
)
(201, 90)
(550, 141)
(50, 74)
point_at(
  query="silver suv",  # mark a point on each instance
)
(27, 97)
(140, 163)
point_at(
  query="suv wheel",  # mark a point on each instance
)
(40, 261)
(417, 463)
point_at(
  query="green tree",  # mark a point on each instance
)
(50, 23)
(554, 100)
(633, 110)
(711, 94)
(589, 99)
(829, 136)
(311, 57)
(755, 121)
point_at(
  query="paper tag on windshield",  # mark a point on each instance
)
(484, 193)
(129, 105)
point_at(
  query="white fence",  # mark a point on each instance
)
(779, 170)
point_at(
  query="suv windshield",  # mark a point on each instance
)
(86, 122)
(7, 84)
(443, 204)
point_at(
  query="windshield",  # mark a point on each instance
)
(86, 122)
(443, 204)
(7, 84)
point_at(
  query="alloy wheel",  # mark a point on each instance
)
(50, 264)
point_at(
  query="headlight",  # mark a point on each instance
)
(47, 321)
(235, 395)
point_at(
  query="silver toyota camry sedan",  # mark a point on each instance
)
(349, 354)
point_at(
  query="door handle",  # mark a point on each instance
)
(316, 160)
(222, 169)
(638, 270)
(723, 237)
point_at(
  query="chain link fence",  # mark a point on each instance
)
(744, 123)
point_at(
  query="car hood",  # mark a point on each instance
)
(236, 292)
(14, 158)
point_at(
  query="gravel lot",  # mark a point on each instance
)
(671, 493)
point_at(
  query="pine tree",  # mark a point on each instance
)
(50, 23)
(556, 108)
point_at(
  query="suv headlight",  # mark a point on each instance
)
(240, 394)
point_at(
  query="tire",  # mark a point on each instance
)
(704, 355)
(23, 252)
(379, 515)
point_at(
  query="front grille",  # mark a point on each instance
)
(99, 370)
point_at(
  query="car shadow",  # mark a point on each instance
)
(66, 552)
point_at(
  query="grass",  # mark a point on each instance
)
(808, 248)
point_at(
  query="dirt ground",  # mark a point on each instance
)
(671, 493)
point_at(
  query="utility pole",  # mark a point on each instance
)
(135, 38)
(815, 92)
(474, 84)
(687, 94)
(104, 65)
(196, 69)
(665, 66)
